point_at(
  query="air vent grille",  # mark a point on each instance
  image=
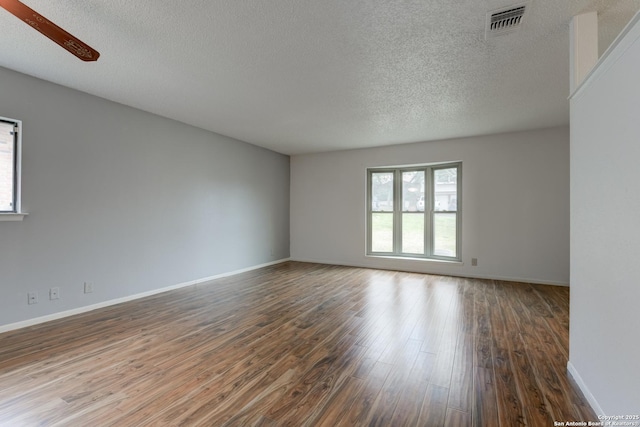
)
(504, 20)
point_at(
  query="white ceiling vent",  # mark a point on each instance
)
(504, 20)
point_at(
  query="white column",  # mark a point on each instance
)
(584, 46)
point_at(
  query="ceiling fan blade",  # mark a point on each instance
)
(51, 30)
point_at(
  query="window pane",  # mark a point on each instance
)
(382, 192)
(7, 165)
(444, 234)
(382, 232)
(445, 189)
(413, 233)
(412, 190)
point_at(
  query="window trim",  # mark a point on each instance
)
(16, 214)
(429, 211)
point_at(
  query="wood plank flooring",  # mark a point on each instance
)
(300, 344)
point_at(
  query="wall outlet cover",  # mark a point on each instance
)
(32, 297)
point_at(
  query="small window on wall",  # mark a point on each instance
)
(415, 211)
(10, 145)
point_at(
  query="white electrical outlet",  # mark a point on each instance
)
(32, 297)
(54, 293)
(88, 287)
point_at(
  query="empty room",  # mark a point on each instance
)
(296, 213)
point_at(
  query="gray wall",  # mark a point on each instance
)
(129, 201)
(605, 231)
(515, 205)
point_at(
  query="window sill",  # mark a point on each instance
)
(12, 216)
(429, 260)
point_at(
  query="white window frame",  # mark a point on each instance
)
(16, 214)
(429, 211)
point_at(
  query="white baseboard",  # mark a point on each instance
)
(435, 272)
(585, 390)
(79, 310)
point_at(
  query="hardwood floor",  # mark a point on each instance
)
(302, 344)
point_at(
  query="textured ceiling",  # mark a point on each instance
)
(300, 76)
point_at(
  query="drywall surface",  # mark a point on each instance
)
(129, 201)
(605, 231)
(515, 202)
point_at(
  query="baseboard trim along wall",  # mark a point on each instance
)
(79, 310)
(439, 273)
(584, 389)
